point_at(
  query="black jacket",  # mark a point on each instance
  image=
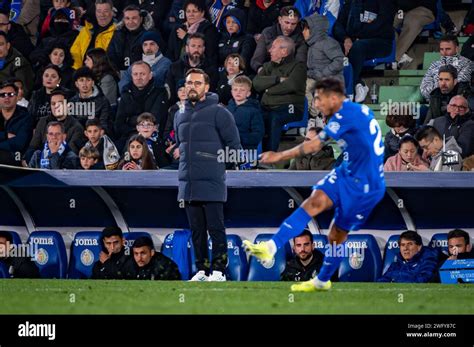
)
(296, 271)
(259, 19)
(112, 268)
(461, 128)
(211, 38)
(21, 267)
(203, 131)
(19, 124)
(178, 70)
(134, 102)
(20, 40)
(348, 23)
(160, 268)
(224, 89)
(439, 101)
(241, 42)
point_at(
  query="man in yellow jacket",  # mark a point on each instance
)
(94, 35)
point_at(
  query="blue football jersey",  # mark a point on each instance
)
(358, 135)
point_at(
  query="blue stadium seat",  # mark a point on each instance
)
(258, 273)
(364, 263)
(4, 271)
(436, 25)
(390, 253)
(51, 255)
(303, 123)
(385, 60)
(439, 242)
(16, 237)
(85, 251)
(349, 79)
(131, 236)
(167, 248)
(237, 264)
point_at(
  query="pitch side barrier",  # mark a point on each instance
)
(147, 199)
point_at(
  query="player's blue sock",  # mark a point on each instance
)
(291, 227)
(331, 263)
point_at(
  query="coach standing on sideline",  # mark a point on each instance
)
(203, 129)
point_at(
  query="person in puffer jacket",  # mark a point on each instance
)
(414, 263)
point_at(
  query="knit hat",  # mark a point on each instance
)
(179, 84)
(151, 36)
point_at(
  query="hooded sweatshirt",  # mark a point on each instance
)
(452, 147)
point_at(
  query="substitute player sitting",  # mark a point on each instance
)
(353, 189)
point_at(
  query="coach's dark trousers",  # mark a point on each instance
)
(202, 217)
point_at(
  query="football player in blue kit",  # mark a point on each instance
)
(353, 189)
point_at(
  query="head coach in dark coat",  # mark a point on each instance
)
(204, 131)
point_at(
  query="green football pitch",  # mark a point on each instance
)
(154, 297)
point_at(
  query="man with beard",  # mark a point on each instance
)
(204, 130)
(113, 256)
(142, 95)
(194, 58)
(307, 261)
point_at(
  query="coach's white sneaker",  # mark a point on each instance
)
(217, 276)
(361, 92)
(200, 276)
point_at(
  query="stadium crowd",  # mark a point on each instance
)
(96, 85)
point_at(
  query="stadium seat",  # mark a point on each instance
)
(439, 242)
(85, 251)
(259, 273)
(430, 57)
(384, 60)
(399, 93)
(4, 271)
(391, 250)
(237, 264)
(303, 123)
(16, 237)
(187, 264)
(363, 263)
(51, 255)
(131, 236)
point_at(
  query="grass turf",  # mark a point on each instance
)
(153, 297)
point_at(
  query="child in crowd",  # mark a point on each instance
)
(108, 154)
(138, 156)
(89, 158)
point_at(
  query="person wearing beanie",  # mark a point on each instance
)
(151, 54)
(89, 102)
(126, 45)
(233, 37)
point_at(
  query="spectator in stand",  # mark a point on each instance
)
(234, 67)
(18, 267)
(16, 129)
(21, 101)
(14, 65)
(448, 87)
(147, 127)
(126, 45)
(459, 245)
(95, 34)
(365, 32)
(29, 18)
(196, 22)
(321, 160)
(15, 34)
(39, 105)
(108, 154)
(307, 261)
(147, 264)
(142, 95)
(414, 264)
(59, 113)
(325, 57)
(152, 55)
(449, 50)
(196, 57)
(89, 159)
(89, 102)
(104, 74)
(112, 257)
(262, 14)
(443, 155)
(234, 39)
(56, 154)
(219, 9)
(289, 26)
(137, 156)
(72, 16)
(468, 48)
(247, 113)
(407, 158)
(400, 125)
(169, 135)
(412, 15)
(459, 124)
(468, 164)
(281, 83)
(58, 55)
(59, 25)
